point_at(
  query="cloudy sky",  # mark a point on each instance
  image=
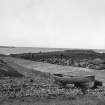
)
(53, 23)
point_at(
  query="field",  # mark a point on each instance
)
(25, 66)
(34, 101)
(53, 68)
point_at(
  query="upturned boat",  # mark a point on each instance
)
(81, 81)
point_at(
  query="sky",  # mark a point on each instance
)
(53, 23)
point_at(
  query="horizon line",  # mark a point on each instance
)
(49, 47)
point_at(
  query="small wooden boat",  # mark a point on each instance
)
(85, 81)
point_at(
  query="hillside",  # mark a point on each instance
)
(77, 54)
(41, 67)
(7, 70)
(44, 88)
(76, 58)
(10, 69)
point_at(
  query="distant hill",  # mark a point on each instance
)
(80, 51)
(76, 54)
(100, 50)
(16, 50)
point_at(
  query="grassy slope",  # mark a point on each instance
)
(52, 68)
(19, 68)
(24, 67)
(46, 67)
(75, 54)
(7, 70)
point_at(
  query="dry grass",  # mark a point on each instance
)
(52, 68)
(34, 101)
(29, 65)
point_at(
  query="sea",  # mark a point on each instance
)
(17, 50)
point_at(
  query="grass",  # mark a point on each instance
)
(25, 66)
(34, 101)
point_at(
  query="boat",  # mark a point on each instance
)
(79, 81)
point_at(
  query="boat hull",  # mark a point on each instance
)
(86, 82)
